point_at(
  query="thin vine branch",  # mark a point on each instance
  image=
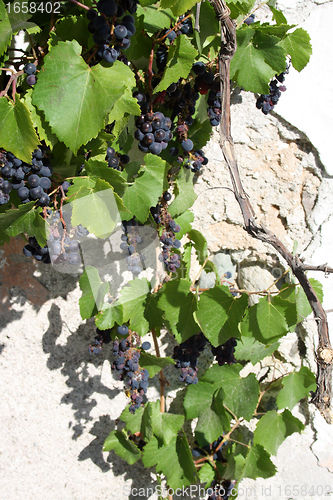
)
(324, 355)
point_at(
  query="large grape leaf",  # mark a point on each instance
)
(240, 394)
(154, 19)
(184, 192)
(17, 131)
(24, 219)
(39, 122)
(12, 22)
(179, 304)
(133, 299)
(109, 315)
(147, 187)
(296, 386)
(124, 448)
(219, 314)
(297, 45)
(95, 205)
(257, 59)
(181, 57)
(273, 428)
(173, 460)
(178, 7)
(93, 292)
(165, 426)
(133, 421)
(153, 363)
(77, 102)
(255, 463)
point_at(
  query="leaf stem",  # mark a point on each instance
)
(162, 379)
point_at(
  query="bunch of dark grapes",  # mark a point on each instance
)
(224, 353)
(185, 28)
(221, 490)
(266, 102)
(187, 354)
(181, 99)
(30, 70)
(102, 337)
(210, 449)
(127, 365)
(130, 240)
(31, 181)
(153, 129)
(168, 236)
(112, 36)
(41, 254)
(64, 246)
(205, 82)
(116, 160)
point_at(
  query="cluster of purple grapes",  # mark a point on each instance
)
(224, 354)
(112, 40)
(209, 449)
(41, 254)
(168, 236)
(30, 70)
(102, 337)
(14, 171)
(130, 240)
(153, 129)
(185, 28)
(181, 99)
(196, 163)
(64, 247)
(127, 365)
(116, 160)
(187, 354)
(266, 102)
(204, 83)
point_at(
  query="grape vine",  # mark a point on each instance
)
(104, 119)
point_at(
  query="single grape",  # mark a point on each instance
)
(36, 192)
(6, 187)
(123, 330)
(34, 180)
(108, 8)
(74, 258)
(187, 145)
(44, 200)
(155, 148)
(166, 196)
(120, 31)
(29, 69)
(91, 14)
(31, 80)
(146, 346)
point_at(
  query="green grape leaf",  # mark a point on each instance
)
(109, 315)
(184, 221)
(219, 314)
(241, 394)
(24, 219)
(265, 321)
(209, 26)
(39, 122)
(165, 425)
(198, 397)
(122, 446)
(73, 28)
(200, 132)
(212, 422)
(98, 168)
(154, 18)
(178, 7)
(153, 364)
(12, 22)
(93, 292)
(179, 304)
(133, 300)
(256, 463)
(273, 428)
(252, 350)
(95, 206)
(302, 303)
(69, 103)
(147, 187)
(181, 56)
(17, 130)
(296, 386)
(4, 238)
(133, 421)
(288, 309)
(125, 104)
(184, 192)
(153, 314)
(206, 474)
(146, 423)
(257, 59)
(200, 245)
(297, 45)
(173, 460)
(238, 7)
(140, 50)
(278, 16)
